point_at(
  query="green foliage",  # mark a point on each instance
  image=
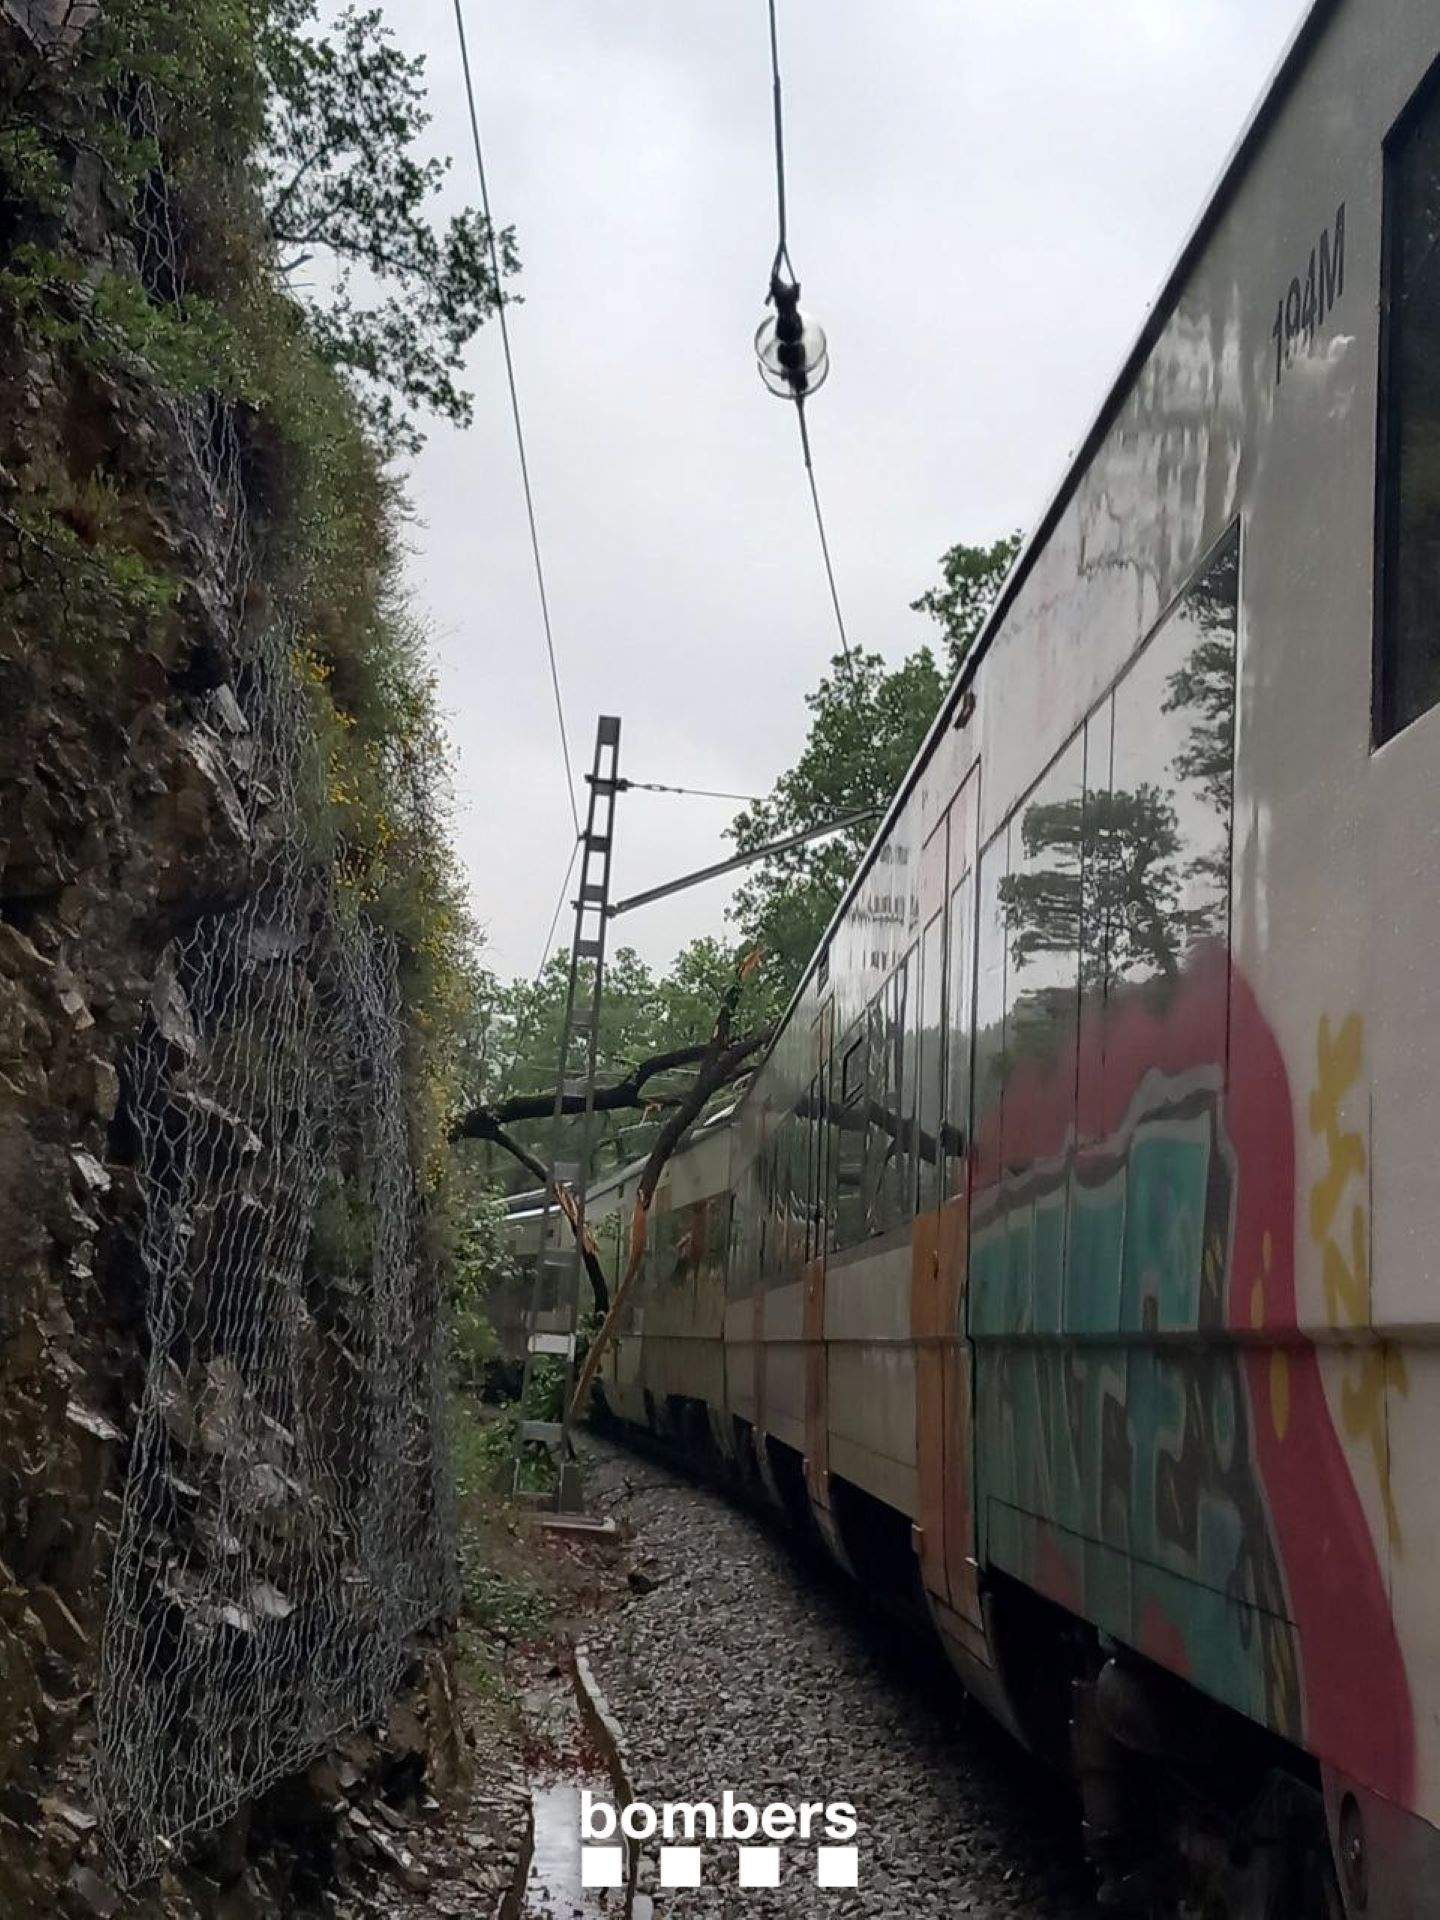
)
(510, 1608)
(107, 322)
(30, 170)
(867, 723)
(341, 178)
(481, 1259)
(74, 568)
(480, 1444)
(138, 269)
(282, 142)
(514, 1040)
(970, 578)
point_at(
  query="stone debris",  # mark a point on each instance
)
(90, 1894)
(91, 1177)
(95, 1424)
(78, 1819)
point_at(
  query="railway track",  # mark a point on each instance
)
(736, 1664)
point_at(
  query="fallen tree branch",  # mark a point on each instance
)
(718, 1062)
(624, 1094)
(724, 1061)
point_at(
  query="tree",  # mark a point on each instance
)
(668, 1050)
(867, 723)
(652, 1032)
(971, 577)
(342, 179)
(694, 1076)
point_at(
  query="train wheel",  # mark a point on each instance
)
(1280, 1866)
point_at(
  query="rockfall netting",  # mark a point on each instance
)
(285, 1520)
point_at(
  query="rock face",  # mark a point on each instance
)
(53, 22)
(220, 1509)
(93, 773)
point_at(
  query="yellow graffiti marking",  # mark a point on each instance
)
(1347, 1282)
(1280, 1391)
(1346, 1271)
(1340, 1063)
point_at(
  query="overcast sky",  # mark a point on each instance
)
(984, 196)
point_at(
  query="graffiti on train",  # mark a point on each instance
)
(1374, 1372)
(1117, 1458)
(1155, 1446)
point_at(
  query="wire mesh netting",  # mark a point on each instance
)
(285, 1520)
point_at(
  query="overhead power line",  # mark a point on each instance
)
(825, 547)
(515, 412)
(695, 793)
(780, 247)
(787, 297)
(559, 908)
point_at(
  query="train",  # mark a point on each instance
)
(1069, 1264)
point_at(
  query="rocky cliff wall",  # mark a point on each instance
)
(222, 1504)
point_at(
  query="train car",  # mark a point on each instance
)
(1081, 1272)
(1079, 1254)
(664, 1368)
(665, 1358)
(531, 1229)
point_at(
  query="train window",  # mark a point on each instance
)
(814, 1126)
(847, 1153)
(799, 1186)
(762, 1214)
(1040, 899)
(884, 1106)
(1096, 890)
(775, 1206)
(989, 1044)
(932, 1063)
(1408, 677)
(852, 1071)
(959, 979)
(1167, 816)
(901, 1203)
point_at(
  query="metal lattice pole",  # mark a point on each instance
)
(553, 1321)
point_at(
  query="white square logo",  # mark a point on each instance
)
(837, 1866)
(679, 1866)
(759, 1866)
(602, 1866)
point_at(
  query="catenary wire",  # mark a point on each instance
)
(695, 793)
(825, 548)
(559, 909)
(515, 411)
(782, 254)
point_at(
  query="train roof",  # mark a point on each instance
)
(1273, 97)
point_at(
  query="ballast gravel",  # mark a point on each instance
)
(732, 1663)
